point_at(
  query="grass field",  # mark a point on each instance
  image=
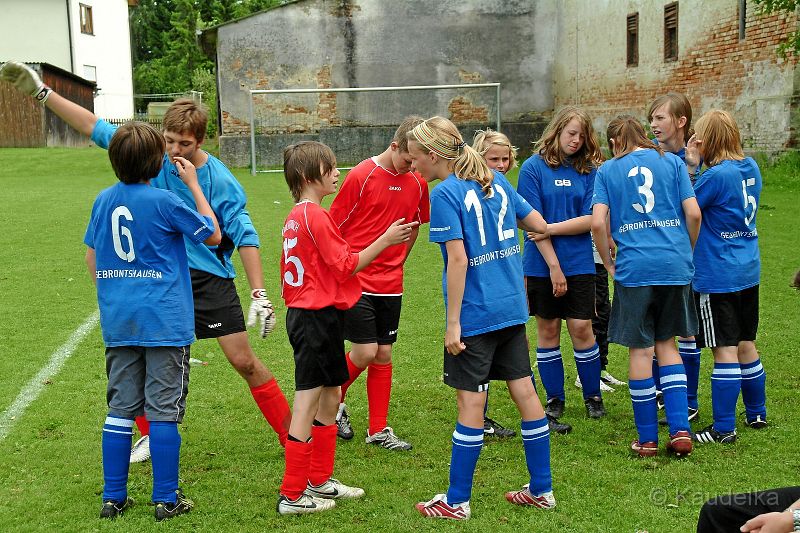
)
(231, 465)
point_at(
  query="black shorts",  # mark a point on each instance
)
(578, 302)
(497, 355)
(373, 319)
(317, 337)
(728, 318)
(640, 316)
(217, 309)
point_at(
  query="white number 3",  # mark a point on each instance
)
(644, 189)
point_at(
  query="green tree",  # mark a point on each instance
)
(791, 44)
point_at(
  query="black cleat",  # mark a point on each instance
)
(694, 415)
(343, 428)
(165, 510)
(709, 434)
(494, 429)
(557, 427)
(759, 422)
(112, 509)
(595, 407)
(659, 400)
(554, 407)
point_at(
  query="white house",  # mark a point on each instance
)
(90, 38)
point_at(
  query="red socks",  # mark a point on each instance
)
(143, 425)
(379, 390)
(274, 407)
(323, 453)
(298, 460)
(354, 373)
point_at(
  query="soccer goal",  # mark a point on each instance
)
(359, 122)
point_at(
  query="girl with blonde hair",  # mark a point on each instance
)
(474, 217)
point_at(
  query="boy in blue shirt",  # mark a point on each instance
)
(653, 214)
(137, 257)
(727, 270)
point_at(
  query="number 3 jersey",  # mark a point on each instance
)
(143, 286)
(317, 264)
(644, 192)
(726, 256)
(494, 294)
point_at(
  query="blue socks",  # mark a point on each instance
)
(467, 444)
(536, 441)
(165, 449)
(551, 371)
(673, 387)
(645, 413)
(588, 363)
(726, 381)
(690, 354)
(116, 444)
(754, 389)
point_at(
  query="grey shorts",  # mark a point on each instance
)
(640, 316)
(496, 355)
(148, 380)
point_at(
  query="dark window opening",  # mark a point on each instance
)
(671, 32)
(633, 40)
(87, 26)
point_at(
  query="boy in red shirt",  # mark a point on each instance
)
(376, 192)
(318, 272)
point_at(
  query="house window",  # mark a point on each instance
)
(742, 18)
(671, 32)
(86, 19)
(633, 40)
(90, 72)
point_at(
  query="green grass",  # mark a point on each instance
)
(50, 463)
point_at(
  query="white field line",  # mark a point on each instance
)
(34, 387)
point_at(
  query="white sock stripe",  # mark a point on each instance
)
(754, 376)
(587, 353)
(674, 386)
(640, 400)
(726, 378)
(528, 439)
(548, 358)
(752, 370)
(120, 432)
(726, 371)
(687, 345)
(643, 392)
(672, 377)
(121, 422)
(534, 431)
(467, 438)
(464, 445)
(549, 353)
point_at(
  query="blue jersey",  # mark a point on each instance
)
(726, 256)
(494, 294)
(558, 194)
(644, 192)
(224, 194)
(143, 286)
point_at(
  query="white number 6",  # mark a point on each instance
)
(117, 230)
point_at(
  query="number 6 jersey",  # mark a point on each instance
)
(494, 294)
(317, 265)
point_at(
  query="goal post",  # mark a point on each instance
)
(356, 122)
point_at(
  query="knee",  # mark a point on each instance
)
(471, 403)
(244, 362)
(548, 334)
(384, 354)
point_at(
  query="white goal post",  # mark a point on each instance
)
(289, 115)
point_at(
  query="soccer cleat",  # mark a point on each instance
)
(594, 407)
(333, 489)
(494, 429)
(386, 438)
(141, 450)
(343, 428)
(759, 422)
(608, 379)
(437, 507)
(694, 415)
(709, 434)
(112, 509)
(524, 497)
(645, 449)
(659, 400)
(305, 504)
(604, 387)
(554, 407)
(557, 427)
(165, 510)
(680, 443)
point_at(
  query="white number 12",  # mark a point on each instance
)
(471, 201)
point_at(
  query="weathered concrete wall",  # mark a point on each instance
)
(344, 43)
(714, 68)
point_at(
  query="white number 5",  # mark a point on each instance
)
(749, 200)
(288, 244)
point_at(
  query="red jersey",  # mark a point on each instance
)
(369, 200)
(317, 267)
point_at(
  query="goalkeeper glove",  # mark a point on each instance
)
(25, 80)
(261, 309)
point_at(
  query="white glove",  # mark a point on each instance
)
(261, 309)
(25, 80)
